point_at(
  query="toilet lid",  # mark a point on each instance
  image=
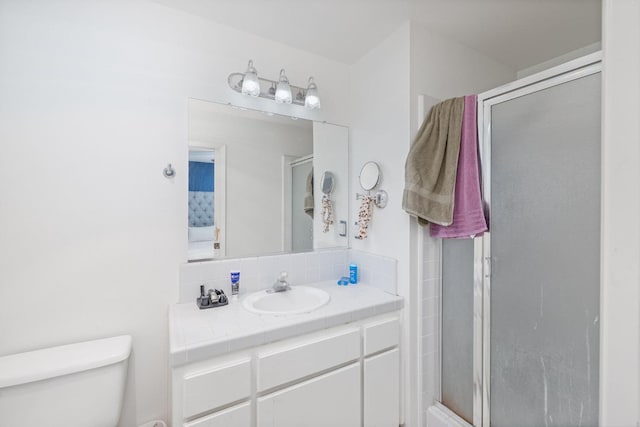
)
(52, 362)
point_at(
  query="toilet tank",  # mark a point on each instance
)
(76, 385)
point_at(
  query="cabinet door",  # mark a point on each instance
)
(382, 390)
(332, 399)
(236, 416)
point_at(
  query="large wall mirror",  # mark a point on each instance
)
(259, 183)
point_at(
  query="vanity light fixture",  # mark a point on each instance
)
(311, 100)
(281, 91)
(250, 82)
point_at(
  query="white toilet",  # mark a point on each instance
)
(77, 385)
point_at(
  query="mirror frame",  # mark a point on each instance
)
(368, 168)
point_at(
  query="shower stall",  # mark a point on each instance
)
(517, 333)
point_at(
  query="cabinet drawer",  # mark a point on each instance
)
(236, 416)
(286, 364)
(381, 335)
(220, 385)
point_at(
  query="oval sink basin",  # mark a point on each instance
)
(297, 300)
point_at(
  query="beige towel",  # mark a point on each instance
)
(432, 163)
(308, 196)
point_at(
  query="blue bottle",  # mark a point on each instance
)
(353, 274)
(235, 282)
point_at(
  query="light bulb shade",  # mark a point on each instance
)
(283, 90)
(311, 99)
(250, 82)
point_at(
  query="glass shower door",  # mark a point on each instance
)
(456, 386)
(545, 257)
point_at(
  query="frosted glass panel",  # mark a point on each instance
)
(545, 246)
(457, 327)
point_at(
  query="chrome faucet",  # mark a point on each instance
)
(281, 284)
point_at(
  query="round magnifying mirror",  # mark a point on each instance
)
(369, 176)
(328, 182)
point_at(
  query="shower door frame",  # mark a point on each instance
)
(576, 69)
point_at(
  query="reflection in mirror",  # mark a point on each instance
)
(301, 237)
(327, 204)
(327, 183)
(267, 198)
(369, 176)
(204, 224)
(202, 229)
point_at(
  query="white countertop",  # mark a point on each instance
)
(196, 334)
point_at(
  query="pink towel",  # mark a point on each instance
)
(468, 215)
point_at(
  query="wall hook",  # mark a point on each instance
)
(169, 172)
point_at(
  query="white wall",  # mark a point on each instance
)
(380, 133)
(443, 68)
(574, 54)
(620, 292)
(255, 146)
(90, 245)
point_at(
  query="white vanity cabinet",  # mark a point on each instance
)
(346, 376)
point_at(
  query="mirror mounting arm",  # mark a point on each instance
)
(380, 198)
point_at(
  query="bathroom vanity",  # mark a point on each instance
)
(338, 365)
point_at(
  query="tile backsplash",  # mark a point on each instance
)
(258, 273)
(376, 270)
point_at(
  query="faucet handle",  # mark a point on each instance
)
(283, 276)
